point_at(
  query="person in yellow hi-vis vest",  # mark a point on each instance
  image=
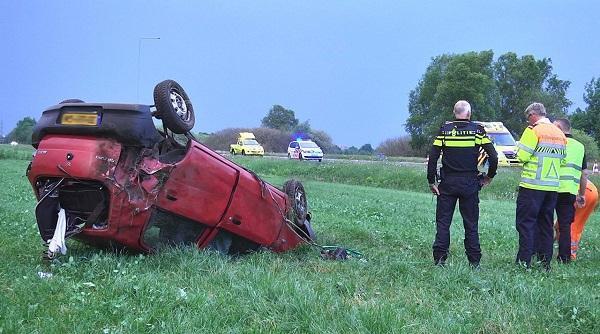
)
(572, 189)
(541, 149)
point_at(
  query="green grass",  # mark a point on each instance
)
(18, 152)
(394, 289)
(411, 177)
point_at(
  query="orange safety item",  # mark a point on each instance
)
(581, 217)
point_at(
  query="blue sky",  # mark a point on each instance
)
(347, 66)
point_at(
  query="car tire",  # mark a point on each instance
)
(289, 156)
(297, 204)
(300, 156)
(71, 101)
(232, 152)
(243, 152)
(174, 107)
(320, 160)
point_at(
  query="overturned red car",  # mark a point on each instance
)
(115, 179)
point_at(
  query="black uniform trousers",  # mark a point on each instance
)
(565, 211)
(465, 189)
(535, 213)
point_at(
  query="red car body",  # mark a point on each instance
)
(144, 192)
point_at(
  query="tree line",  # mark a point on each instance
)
(498, 90)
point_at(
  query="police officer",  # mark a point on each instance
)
(571, 189)
(540, 149)
(460, 141)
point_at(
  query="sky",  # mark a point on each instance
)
(346, 66)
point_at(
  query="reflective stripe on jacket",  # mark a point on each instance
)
(542, 150)
(570, 173)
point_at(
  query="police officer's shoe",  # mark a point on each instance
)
(440, 263)
(475, 265)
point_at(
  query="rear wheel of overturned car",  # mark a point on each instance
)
(174, 107)
(298, 207)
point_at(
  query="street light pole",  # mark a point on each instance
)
(138, 64)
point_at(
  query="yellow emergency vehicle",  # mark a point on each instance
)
(503, 141)
(247, 145)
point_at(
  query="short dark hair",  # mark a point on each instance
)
(564, 124)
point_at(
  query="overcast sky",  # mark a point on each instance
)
(347, 66)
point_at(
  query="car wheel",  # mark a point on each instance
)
(232, 152)
(320, 160)
(71, 101)
(289, 156)
(298, 207)
(174, 107)
(243, 152)
(300, 156)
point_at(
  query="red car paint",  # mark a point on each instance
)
(201, 187)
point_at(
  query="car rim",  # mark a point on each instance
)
(178, 104)
(300, 203)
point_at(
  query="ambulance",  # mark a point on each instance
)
(503, 141)
(246, 145)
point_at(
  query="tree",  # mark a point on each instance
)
(588, 120)
(366, 149)
(322, 139)
(23, 131)
(499, 90)
(450, 78)
(591, 146)
(280, 118)
(303, 127)
(521, 81)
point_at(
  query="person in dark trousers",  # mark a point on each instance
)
(459, 141)
(542, 150)
(571, 190)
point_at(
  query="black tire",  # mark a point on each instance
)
(71, 101)
(243, 152)
(289, 156)
(320, 160)
(298, 206)
(232, 152)
(174, 107)
(300, 156)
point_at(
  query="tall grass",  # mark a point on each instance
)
(410, 177)
(18, 152)
(393, 289)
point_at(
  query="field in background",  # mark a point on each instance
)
(18, 152)
(394, 288)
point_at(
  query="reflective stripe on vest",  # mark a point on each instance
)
(541, 149)
(570, 173)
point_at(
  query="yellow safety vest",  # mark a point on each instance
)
(542, 150)
(570, 173)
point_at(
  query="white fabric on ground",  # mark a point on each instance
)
(57, 243)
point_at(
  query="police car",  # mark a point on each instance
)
(304, 150)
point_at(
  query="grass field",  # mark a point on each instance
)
(393, 289)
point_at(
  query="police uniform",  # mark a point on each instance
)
(570, 175)
(540, 149)
(460, 142)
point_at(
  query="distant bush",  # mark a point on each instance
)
(591, 147)
(397, 147)
(19, 152)
(272, 140)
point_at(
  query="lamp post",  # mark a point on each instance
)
(138, 64)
